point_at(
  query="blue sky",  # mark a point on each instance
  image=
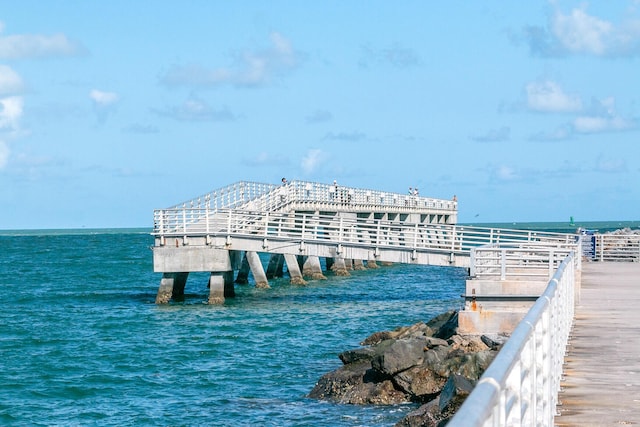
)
(527, 111)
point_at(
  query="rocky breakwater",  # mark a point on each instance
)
(427, 363)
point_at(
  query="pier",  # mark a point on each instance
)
(298, 224)
(521, 283)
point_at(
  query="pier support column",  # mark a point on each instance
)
(274, 269)
(329, 262)
(171, 286)
(257, 270)
(312, 268)
(358, 264)
(229, 290)
(243, 272)
(339, 267)
(216, 287)
(371, 263)
(294, 270)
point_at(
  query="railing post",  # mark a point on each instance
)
(266, 224)
(453, 238)
(206, 218)
(503, 264)
(472, 263)
(304, 222)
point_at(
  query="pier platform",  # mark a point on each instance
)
(601, 386)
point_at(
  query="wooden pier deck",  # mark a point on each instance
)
(602, 367)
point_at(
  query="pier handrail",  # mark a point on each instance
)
(521, 385)
(616, 247)
(300, 227)
(297, 194)
(519, 261)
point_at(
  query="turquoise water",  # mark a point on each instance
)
(82, 342)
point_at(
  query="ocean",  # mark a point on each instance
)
(82, 342)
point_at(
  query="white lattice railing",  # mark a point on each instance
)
(271, 197)
(337, 229)
(531, 260)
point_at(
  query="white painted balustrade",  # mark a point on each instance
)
(520, 387)
(337, 229)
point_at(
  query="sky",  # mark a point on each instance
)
(526, 111)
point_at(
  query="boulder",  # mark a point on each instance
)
(427, 415)
(358, 384)
(425, 362)
(419, 329)
(420, 383)
(455, 391)
(494, 341)
(400, 355)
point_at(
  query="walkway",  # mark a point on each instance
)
(602, 371)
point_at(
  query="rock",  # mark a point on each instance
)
(357, 384)
(400, 355)
(468, 344)
(427, 415)
(494, 341)
(449, 328)
(374, 393)
(455, 391)
(420, 383)
(438, 321)
(416, 330)
(436, 342)
(425, 362)
(365, 353)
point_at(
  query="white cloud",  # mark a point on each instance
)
(104, 103)
(595, 124)
(10, 81)
(104, 99)
(548, 96)
(196, 110)
(313, 160)
(4, 154)
(23, 46)
(580, 33)
(252, 68)
(505, 173)
(602, 117)
(10, 113)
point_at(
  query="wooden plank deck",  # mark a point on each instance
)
(601, 386)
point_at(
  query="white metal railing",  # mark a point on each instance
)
(616, 247)
(271, 197)
(337, 229)
(520, 387)
(229, 197)
(530, 260)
